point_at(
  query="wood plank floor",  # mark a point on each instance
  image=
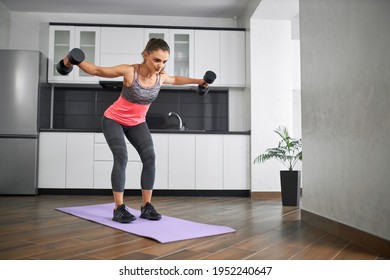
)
(31, 228)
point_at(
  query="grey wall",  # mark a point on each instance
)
(345, 74)
(4, 26)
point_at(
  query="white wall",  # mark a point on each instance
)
(245, 22)
(345, 54)
(271, 95)
(4, 26)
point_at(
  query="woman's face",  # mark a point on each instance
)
(156, 60)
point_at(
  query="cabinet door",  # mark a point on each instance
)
(236, 162)
(207, 55)
(79, 160)
(122, 40)
(181, 160)
(52, 160)
(209, 162)
(61, 41)
(182, 52)
(120, 45)
(64, 38)
(87, 39)
(160, 142)
(161, 34)
(232, 58)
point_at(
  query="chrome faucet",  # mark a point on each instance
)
(181, 126)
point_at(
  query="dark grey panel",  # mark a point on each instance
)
(18, 166)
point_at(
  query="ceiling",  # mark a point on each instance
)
(184, 8)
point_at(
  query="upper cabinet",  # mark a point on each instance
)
(62, 40)
(222, 52)
(232, 58)
(207, 53)
(193, 51)
(181, 44)
(160, 34)
(120, 45)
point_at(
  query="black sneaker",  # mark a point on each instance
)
(121, 215)
(148, 212)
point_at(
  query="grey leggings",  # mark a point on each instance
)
(139, 136)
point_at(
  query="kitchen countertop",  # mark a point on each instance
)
(161, 131)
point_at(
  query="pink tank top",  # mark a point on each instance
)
(133, 103)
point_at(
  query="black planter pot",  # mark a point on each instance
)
(290, 182)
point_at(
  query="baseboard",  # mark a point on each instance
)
(221, 193)
(356, 236)
(266, 195)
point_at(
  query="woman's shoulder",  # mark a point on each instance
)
(129, 73)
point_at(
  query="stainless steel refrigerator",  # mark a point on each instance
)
(22, 81)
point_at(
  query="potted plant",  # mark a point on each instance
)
(288, 152)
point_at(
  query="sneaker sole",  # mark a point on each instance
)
(150, 218)
(124, 221)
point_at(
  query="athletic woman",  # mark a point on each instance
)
(126, 117)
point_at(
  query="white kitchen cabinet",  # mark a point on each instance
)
(160, 142)
(121, 45)
(79, 160)
(103, 163)
(181, 43)
(159, 33)
(232, 58)
(183, 162)
(236, 162)
(223, 54)
(52, 160)
(207, 53)
(102, 175)
(164, 34)
(209, 162)
(64, 38)
(181, 159)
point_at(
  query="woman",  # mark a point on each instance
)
(126, 117)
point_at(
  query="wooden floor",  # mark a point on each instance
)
(30, 228)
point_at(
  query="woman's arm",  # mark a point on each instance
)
(106, 72)
(181, 80)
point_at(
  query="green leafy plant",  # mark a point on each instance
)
(288, 152)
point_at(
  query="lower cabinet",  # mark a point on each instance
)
(160, 142)
(209, 162)
(103, 163)
(52, 160)
(236, 162)
(183, 162)
(102, 175)
(79, 160)
(66, 160)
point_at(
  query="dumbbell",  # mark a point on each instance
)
(209, 77)
(75, 56)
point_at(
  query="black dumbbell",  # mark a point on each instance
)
(209, 77)
(75, 56)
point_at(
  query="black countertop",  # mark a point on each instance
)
(161, 131)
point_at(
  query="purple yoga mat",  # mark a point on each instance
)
(166, 230)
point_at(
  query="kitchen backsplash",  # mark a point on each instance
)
(82, 108)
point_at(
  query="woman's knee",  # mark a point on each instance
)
(149, 158)
(120, 156)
